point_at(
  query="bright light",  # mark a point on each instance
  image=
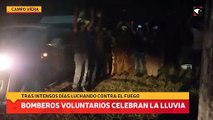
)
(139, 26)
(186, 66)
(45, 54)
(5, 62)
(50, 44)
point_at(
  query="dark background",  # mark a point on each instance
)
(113, 10)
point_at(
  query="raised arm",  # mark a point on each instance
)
(75, 24)
(99, 16)
(92, 18)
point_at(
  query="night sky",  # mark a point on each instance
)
(114, 10)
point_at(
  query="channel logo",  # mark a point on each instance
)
(23, 9)
(198, 11)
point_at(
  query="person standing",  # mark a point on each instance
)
(197, 52)
(80, 53)
(121, 49)
(138, 46)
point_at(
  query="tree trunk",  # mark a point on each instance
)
(206, 83)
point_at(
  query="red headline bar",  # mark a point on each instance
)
(98, 106)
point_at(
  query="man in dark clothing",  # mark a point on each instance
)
(96, 50)
(196, 53)
(138, 45)
(108, 53)
(92, 60)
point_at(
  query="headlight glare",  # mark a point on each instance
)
(45, 54)
(5, 62)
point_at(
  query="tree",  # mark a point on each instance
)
(206, 83)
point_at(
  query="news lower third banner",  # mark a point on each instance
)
(97, 102)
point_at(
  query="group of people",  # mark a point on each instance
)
(91, 50)
(100, 53)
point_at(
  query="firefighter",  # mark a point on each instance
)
(121, 49)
